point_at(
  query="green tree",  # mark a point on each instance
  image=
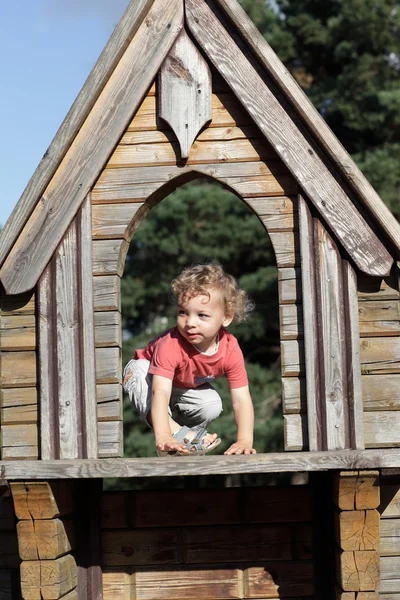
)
(346, 55)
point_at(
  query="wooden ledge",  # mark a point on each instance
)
(200, 465)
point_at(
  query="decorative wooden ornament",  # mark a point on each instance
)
(185, 100)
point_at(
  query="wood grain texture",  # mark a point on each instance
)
(19, 442)
(106, 292)
(331, 340)
(389, 537)
(18, 369)
(40, 500)
(112, 220)
(380, 355)
(359, 571)
(17, 332)
(377, 396)
(111, 439)
(150, 467)
(311, 117)
(105, 65)
(294, 149)
(390, 580)
(279, 580)
(108, 329)
(109, 257)
(289, 285)
(87, 334)
(185, 101)
(92, 145)
(354, 384)
(358, 530)
(22, 304)
(310, 316)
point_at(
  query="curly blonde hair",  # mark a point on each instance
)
(199, 279)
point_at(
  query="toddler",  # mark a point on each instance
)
(169, 381)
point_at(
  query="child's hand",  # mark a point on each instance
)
(170, 444)
(241, 447)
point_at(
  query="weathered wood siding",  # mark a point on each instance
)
(18, 377)
(390, 537)
(155, 555)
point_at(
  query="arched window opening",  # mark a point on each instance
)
(203, 222)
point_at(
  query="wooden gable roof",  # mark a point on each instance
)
(112, 94)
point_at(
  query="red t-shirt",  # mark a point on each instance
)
(174, 357)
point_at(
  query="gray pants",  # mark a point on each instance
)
(192, 406)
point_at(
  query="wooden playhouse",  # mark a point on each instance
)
(185, 89)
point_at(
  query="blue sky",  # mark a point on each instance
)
(47, 49)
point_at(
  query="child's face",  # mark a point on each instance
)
(201, 317)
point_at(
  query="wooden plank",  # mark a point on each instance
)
(185, 101)
(379, 318)
(295, 432)
(108, 329)
(106, 292)
(87, 426)
(292, 358)
(111, 442)
(390, 580)
(19, 415)
(142, 155)
(210, 134)
(390, 537)
(380, 355)
(178, 584)
(277, 214)
(331, 338)
(142, 547)
(279, 580)
(18, 397)
(88, 553)
(101, 72)
(358, 530)
(57, 577)
(311, 117)
(22, 304)
(286, 250)
(109, 257)
(381, 392)
(118, 585)
(110, 411)
(291, 321)
(294, 398)
(294, 149)
(109, 392)
(92, 145)
(315, 408)
(111, 179)
(19, 441)
(354, 385)
(259, 543)
(275, 462)
(355, 490)
(47, 367)
(382, 429)
(359, 571)
(67, 329)
(289, 286)
(376, 288)
(18, 332)
(18, 369)
(108, 365)
(112, 220)
(379, 310)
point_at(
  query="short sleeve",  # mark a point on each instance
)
(165, 359)
(235, 369)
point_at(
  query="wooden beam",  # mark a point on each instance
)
(95, 83)
(202, 465)
(92, 146)
(312, 118)
(294, 149)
